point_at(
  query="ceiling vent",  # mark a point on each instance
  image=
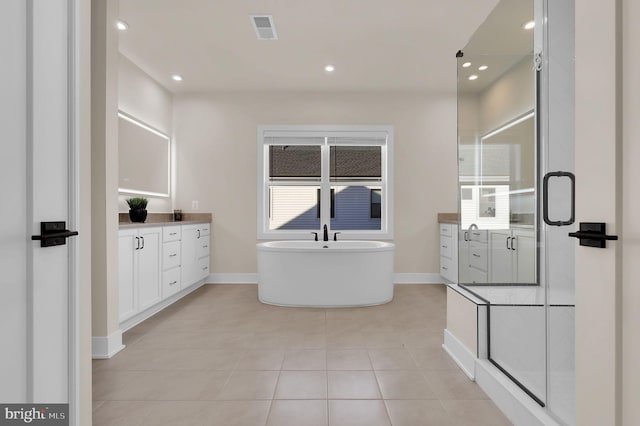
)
(263, 26)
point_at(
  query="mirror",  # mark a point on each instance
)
(497, 150)
(144, 154)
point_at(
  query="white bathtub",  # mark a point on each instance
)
(325, 274)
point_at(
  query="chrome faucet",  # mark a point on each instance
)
(325, 232)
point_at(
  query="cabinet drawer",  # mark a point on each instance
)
(447, 269)
(446, 229)
(170, 282)
(446, 246)
(478, 235)
(203, 265)
(171, 233)
(478, 256)
(171, 255)
(205, 229)
(203, 247)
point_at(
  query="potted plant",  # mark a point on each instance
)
(137, 209)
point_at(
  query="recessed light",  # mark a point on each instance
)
(329, 68)
(529, 25)
(482, 67)
(121, 25)
(466, 65)
(176, 77)
(473, 77)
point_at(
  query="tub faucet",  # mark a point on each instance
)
(325, 232)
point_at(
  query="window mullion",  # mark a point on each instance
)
(325, 192)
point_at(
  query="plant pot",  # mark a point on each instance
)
(138, 215)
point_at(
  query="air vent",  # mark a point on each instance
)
(263, 26)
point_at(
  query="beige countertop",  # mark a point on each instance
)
(163, 219)
(448, 218)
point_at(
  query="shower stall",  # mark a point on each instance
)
(515, 149)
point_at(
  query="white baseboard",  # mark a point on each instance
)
(104, 347)
(519, 408)
(460, 354)
(417, 278)
(222, 278)
(399, 278)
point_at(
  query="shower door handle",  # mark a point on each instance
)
(545, 199)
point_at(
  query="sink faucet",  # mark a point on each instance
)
(325, 232)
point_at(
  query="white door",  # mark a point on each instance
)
(36, 363)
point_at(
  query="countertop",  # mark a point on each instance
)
(164, 219)
(448, 218)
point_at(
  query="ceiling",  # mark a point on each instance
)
(375, 45)
(499, 43)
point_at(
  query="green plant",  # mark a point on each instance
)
(137, 203)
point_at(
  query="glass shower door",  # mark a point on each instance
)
(515, 125)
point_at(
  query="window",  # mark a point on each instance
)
(309, 176)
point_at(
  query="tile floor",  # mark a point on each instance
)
(219, 357)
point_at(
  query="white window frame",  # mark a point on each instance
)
(326, 132)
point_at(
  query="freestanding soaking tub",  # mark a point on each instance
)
(325, 274)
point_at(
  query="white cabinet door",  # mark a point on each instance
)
(501, 266)
(149, 267)
(524, 253)
(127, 246)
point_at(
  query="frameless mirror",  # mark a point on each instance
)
(143, 154)
(497, 150)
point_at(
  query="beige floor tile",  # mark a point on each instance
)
(353, 385)
(378, 339)
(433, 359)
(240, 413)
(247, 385)
(141, 359)
(302, 385)
(261, 359)
(96, 405)
(305, 359)
(207, 359)
(123, 413)
(391, 359)
(358, 413)
(348, 359)
(476, 413)
(403, 384)
(158, 385)
(298, 413)
(453, 385)
(418, 413)
(420, 338)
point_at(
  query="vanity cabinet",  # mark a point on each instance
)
(156, 263)
(139, 270)
(449, 252)
(195, 252)
(512, 256)
(473, 260)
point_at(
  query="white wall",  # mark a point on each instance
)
(509, 97)
(630, 207)
(216, 165)
(144, 98)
